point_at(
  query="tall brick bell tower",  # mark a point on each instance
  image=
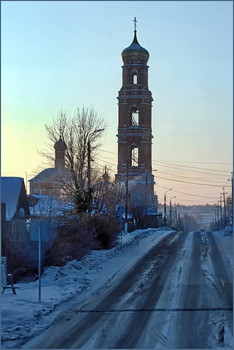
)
(134, 129)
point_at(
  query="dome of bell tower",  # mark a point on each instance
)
(135, 50)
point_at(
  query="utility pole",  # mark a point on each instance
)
(176, 219)
(224, 207)
(218, 217)
(179, 222)
(165, 207)
(171, 211)
(89, 169)
(146, 184)
(89, 178)
(230, 218)
(170, 214)
(215, 219)
(221, 213)
(232, 185)
(126, 205)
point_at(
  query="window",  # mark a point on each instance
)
(135, 156)
(134, 78)
(135, 116)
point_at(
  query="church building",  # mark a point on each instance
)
(50, 181)
(134, 126)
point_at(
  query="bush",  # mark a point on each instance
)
(106, 228)
(75, 239)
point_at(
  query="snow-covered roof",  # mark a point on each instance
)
(48, 206)
(10, 192)
(50, 174)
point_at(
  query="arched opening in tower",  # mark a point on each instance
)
(135, 117)
(134, 78)
(135, 156)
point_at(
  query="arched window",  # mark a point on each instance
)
(135, 156)
(134, 77)
(135, 116)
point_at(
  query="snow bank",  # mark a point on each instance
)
(23, 317)
(224, 238)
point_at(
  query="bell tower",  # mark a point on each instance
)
(134, 125)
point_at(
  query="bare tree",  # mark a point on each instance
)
(107, 194)
(82, 136)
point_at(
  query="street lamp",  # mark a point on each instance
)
(165, 207)
(171, 210)
(89, 169)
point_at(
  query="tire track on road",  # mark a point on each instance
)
(130, 338)
(82, 326)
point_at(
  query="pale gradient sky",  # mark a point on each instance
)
(63, 55)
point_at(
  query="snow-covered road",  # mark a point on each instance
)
(160, 289)
(23, 317)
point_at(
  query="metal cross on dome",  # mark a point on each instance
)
(135, 21)
(60, 132)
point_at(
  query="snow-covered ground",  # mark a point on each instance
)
(224, 239)
(23, 316)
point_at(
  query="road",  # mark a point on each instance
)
(179, 295)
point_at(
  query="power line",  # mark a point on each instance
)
(103, 150)
(167, 163)
(100, 160)
(187, 177)
(195, 195)
(194, 171)
(194, 183)
(187, 161)
(189, 194)
(193, 167)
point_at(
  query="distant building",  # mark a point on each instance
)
(134, 127)
(50, 181)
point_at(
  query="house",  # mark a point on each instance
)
(13, 194)
(15, 224)
(14, 208)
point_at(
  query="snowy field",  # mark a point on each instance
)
(23, 317)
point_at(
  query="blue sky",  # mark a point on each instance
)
(63, 55)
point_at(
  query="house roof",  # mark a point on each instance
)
(11, 188)
(47, 206)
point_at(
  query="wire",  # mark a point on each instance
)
(187, 177)
(194, 183)
(109, 163)
(103, 150)
(193, 167)
(188, 194)
(167, 163)
(195, 195)
(194, 171)
(187, 161)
